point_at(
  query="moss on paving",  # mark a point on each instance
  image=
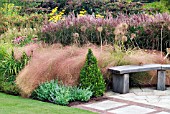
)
(16, 105)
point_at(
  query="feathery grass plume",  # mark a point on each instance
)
(42, 69)
(53, 62)
(65, 63)
(28, 49)
(141, 57)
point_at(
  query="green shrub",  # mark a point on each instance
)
(59, 94)
(53, 92)
(24, 4)
(9, 68)
(91, 76)
(43, 91)
(81, 94)
(160, 6)
(167, 3)
(99, 7)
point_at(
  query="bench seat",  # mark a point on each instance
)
(134, 68)
(121, 75)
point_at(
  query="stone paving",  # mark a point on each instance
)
(141, 101)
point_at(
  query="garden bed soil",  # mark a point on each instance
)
(94, 99)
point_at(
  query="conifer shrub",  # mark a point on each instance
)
(91, 76)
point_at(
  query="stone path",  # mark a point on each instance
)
(138, 101)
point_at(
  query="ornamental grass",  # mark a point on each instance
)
(64, 64)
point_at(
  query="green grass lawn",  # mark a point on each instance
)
(16, 105)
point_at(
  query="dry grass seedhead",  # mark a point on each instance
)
(65, 63)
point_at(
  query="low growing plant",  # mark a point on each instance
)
(81, 94)
(59, 94)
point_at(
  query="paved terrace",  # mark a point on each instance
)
(138, 101)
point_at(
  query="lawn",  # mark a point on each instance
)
(17, 105)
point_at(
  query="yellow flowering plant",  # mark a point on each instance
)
(82, 13)
(55, 15)
(99, 16)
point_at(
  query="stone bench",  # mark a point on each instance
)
(121, 75)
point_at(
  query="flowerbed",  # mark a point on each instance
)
(46, 57)
(147, 30)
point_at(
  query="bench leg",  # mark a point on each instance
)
(121, 83)
(161, 74)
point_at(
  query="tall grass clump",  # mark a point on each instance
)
(9, 69)
(53, 62)
(65, 63)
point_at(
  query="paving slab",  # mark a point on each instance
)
(104, 105)
(163, 113)
(138, 101)
(148, 96)
(132, 110)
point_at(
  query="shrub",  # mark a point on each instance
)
(167, 3)
(59, 94)
(90, 76)
(43, 91)
(160, 6)
(97, 7)
(53, 92)
(22, 4)
(9, 69)
(80, 94)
